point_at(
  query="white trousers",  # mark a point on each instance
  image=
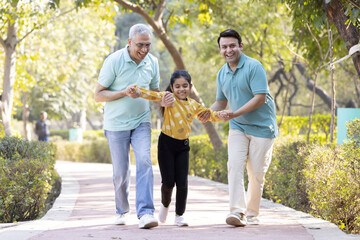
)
(257, 151)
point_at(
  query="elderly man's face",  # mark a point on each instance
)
(139, 47)
(43, 116)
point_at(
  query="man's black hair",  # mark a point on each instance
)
(229, 33)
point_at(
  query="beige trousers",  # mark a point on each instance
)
(256, 153)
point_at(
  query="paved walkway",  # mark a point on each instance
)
(85, 210)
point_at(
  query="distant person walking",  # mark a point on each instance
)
(242, 83)
(42, 127)
(173, 144)
(127, 121)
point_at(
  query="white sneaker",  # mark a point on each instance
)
(120, 219)
(236, 219)
(180, 221)
(148, 221)
(163, 213)
(253, 220)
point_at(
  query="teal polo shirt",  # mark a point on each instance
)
(118, 72)
(238, 88)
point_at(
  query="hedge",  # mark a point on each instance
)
(26, 178)
(205, 162)
(298, 126)
(95, 148)
(322, 179)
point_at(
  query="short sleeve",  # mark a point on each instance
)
(219, 92)
(155, 81)
(107, 73)
(258, 80)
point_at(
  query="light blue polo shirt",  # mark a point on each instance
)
(118, 72)
(238, 88)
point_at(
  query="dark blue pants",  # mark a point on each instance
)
(45, 139)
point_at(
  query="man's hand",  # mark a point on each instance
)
(167, 100)
(204, 116)
(133, 91)
(225, 115)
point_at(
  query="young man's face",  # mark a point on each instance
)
(230, 49)
(139, 47)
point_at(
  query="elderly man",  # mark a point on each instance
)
(42, 127)
(127, 121)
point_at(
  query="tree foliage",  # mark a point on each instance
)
(81, 40)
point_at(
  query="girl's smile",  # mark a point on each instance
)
(181, 88)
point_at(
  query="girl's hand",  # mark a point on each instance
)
(226, 115)
(204, 116)
(167, 100)
(132, 91)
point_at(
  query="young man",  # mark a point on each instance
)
(242, 83)
(127, 121)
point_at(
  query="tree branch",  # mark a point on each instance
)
(46, 22)
(316, 40)
(353, 4)
(167, 20)
(139, 10)
(160, 10)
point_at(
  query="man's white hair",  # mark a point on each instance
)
(139, 29)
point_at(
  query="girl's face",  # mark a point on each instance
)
(181, 88)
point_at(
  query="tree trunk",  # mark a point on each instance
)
(25, 117)
(93, 127)
(82, 119)
(158, 26)
(9, 78)
(333, 98)
(349, 33)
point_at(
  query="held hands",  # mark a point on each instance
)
(167, 100)
(225, 115)
(132, 91)
(204, 116)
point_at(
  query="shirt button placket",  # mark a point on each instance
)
(233, 81)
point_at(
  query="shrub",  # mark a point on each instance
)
(63, 133)
(352, 147)
(205, 161)
(333, 191)
(68, 151)
(323, 180)
(93, 135)
(298, 126)
(285, 181)
(89, 135)
(26, 176)
(95, 151)
(87, 151)
(95, 148)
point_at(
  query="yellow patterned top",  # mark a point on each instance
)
(178, 117)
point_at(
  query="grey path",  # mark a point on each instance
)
(85, 210)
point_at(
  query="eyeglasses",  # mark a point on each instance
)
(142, 45)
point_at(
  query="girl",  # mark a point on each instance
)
(173, 144)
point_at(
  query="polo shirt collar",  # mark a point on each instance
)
(128, 58)
(240, 64)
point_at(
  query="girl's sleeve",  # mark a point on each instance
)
(150, 95)
(213, 114)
